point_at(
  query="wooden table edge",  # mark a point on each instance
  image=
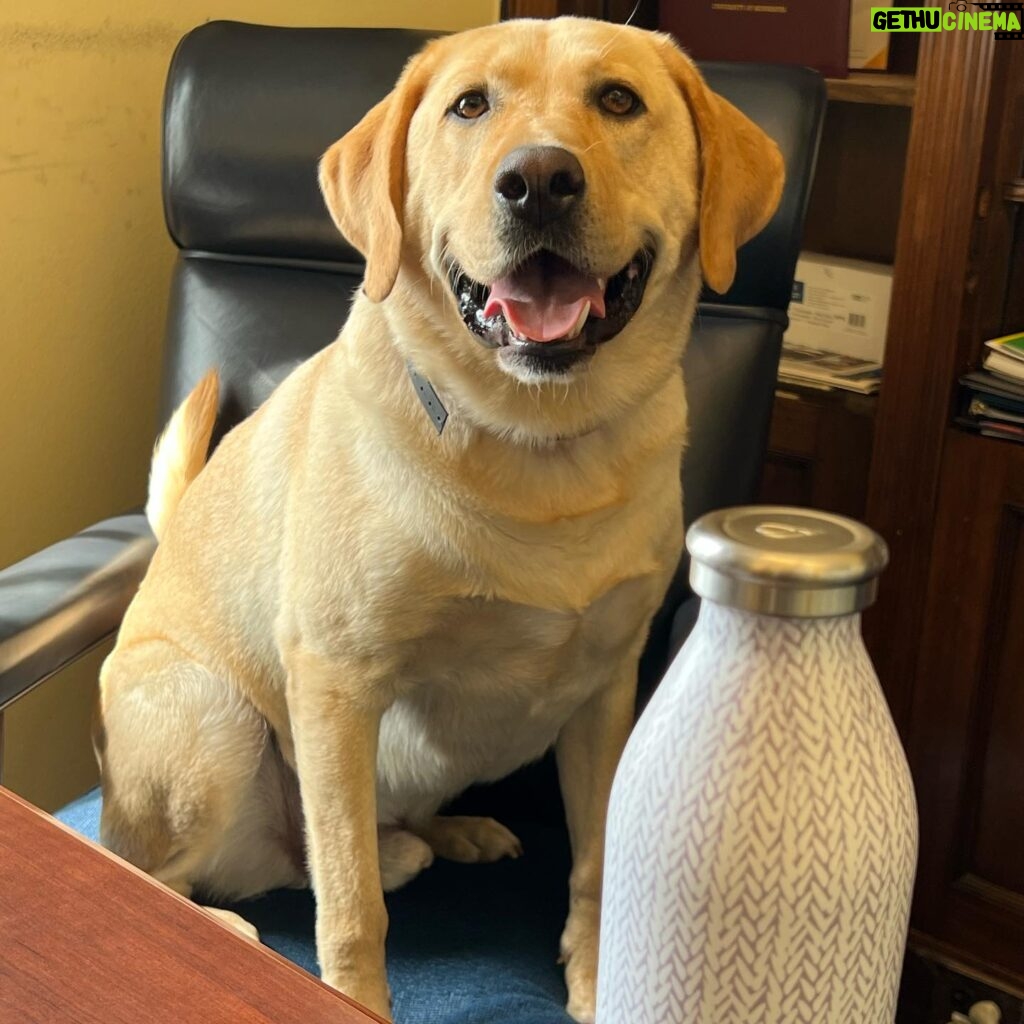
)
(302, 975)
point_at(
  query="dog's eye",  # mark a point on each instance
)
(619, 100)
(471, 105)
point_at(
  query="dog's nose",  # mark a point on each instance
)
(539, 184)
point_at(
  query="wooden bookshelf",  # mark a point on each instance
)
(878, 87)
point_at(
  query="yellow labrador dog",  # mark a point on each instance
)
(350, 616)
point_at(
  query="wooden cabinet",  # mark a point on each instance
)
(966, 729)
(947, 634)
(819, 450)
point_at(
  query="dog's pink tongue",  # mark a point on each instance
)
(543, 299)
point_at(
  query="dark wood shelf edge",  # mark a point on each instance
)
(879, 87)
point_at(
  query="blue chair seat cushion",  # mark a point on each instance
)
(467, 943)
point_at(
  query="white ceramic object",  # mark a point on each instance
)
(762, 832)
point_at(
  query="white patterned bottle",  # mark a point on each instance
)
(762, 832)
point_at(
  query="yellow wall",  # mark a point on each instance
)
(84, 267)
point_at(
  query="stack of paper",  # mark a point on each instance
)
(816, 368)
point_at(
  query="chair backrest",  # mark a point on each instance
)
(264, 280)
(732, 359)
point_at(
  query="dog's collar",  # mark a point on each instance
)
(432, 404)
(434, 407)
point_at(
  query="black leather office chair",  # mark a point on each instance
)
(262, 282)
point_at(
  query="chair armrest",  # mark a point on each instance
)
(59, 602)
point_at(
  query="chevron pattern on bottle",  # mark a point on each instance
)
(762, 835)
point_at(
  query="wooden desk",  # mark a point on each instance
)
(87, 939)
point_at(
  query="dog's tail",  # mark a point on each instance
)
(180, 453)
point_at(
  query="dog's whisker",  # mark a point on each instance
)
(606, 49)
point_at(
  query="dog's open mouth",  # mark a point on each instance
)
(547, 311)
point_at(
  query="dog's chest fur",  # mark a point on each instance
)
(493, 626)
(520, 673)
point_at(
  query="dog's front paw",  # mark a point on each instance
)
(581, 981)
(579, 954)
(582, 1009)
(374, 996)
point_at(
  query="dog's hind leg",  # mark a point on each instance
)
(469, 840)
(194, 789)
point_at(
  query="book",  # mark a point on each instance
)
(815, 33)
(989, 384)
(995, 400)
(1011, 345)
(815, 367)
(1005, 365)
(1006, 431)
(868, 49)
(993, 428)
(980, 409)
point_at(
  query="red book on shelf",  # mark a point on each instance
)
(811, 32)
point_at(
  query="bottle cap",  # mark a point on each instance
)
(778, 560)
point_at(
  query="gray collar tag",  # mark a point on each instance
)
(428, 399)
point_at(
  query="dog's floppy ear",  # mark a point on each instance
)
(362, 178)
(742, 172)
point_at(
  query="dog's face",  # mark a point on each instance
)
(541, 190)
(557, 207)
